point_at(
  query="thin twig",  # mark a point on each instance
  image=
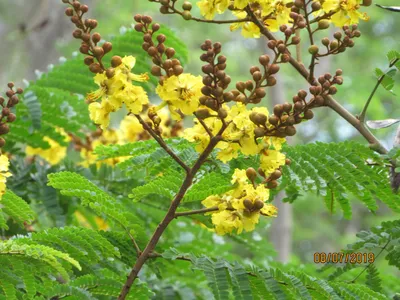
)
(162, 143)
(170, 214)
(375, 144)
(384, 247)
(204, 126)
(196, 211)
(364, 111)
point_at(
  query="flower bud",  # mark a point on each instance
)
(273, 120)
(248, 204)
(272, 184)
(278, 110)
(313, 49)
(323, 24)
(110, 72)
(259, 132)
(4, 129)
(308, 114)
(11, 118)
(187, 15)
(95, 68)
(187, 5)
(2, 142)
(116, 61)
(222, 113)
(251, 174)
(258, 204)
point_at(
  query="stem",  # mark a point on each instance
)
(196, 211)
(380, 252)
(298, 47)
(170, 214)
(332, 103)
(310, 35)
(162, 143)
(364, 111)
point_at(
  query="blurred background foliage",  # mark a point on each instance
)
(35, 33)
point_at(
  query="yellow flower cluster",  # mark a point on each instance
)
(240, 208)
(115, 91)
(55, 153)
(277, 12)
(345, 12)
(239, 136)
(181, 92)
(130, 130)
(4, 163)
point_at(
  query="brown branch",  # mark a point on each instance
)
(170, 214)
(310, 35)
(375, 144)
(196, 211)
(162, 143)
(380, 252)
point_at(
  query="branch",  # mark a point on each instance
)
(364, 111)
(162, 143)
(196, 211)
(332, 103)
(171, 211)
(380, 252)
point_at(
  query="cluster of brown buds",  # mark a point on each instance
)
(215, 80)
(162, 56)
(6, 115)
(249, 92)
(270, 181)
(286, 115)
(90, 41)
(338, 44)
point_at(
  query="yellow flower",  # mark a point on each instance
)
(117, 90)
(55, 153)
(249, 29)
(281, 14)
(4, 163)
(271, 160)
(240, 4)
(346, 12)
(181, 92)
(240, 208)
(208, 8)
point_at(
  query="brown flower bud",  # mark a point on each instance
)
(186, 15)
(308, 114)
(261, 172)
(77, 33)
(178, 70)
(110, 72)
(313, 49)
(367, 2)
(273, 120)
(69, 12)
(316, 6)
(11, 118)
(2, 142)
(287, 107)
(272, 184)
(222, 113)
(84, 49)
(211, 103)
(258, 204)
(156, 70)
(290, 130)
(278, 110)
(260, 92)
(4, 129)
(5, 111)
(288, 161)
(248, 204)
(170, 52)
(96, 37)
(257, 76)
(85, 37)
(116, 61)
(98, 51)
(264, 60)
(323, 24)
(271, 81)
(95, 68)
(202, 113)
(259, 132)
(273, 69)
(251, 174)
(88, 60)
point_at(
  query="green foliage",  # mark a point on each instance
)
(338, 171)
(104, 205)
(233, 281)
(56, 99)
(15, 208)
